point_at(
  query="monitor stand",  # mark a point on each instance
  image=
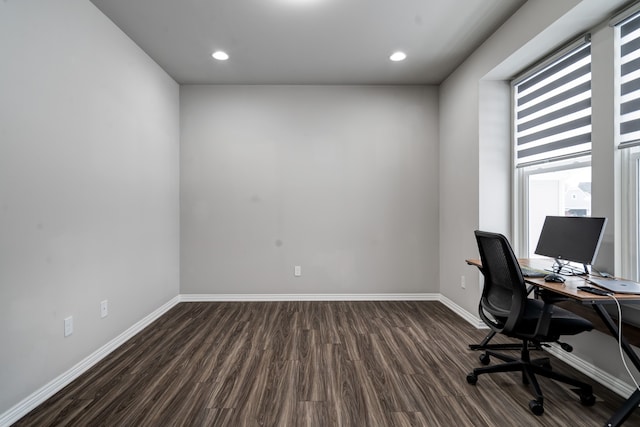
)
(558, 266)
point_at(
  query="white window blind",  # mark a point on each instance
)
(553, 109)
(629, 81)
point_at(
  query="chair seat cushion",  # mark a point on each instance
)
(563, 322)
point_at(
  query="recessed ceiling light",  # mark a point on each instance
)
(220, 55)
(398, 56)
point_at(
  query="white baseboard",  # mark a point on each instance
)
(32, 401)
(308, 297)
(475, 321)
(597, 374)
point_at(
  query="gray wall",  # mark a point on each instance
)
(89, 205)
(465, 123)
(341, 180)
(474, 176)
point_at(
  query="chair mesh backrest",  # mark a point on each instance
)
(504, 291)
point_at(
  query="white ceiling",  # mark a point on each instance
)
(308, 41)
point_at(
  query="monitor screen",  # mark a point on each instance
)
(571, 238)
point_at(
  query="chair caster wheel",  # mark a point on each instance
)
(484, 359)
(566, 347)
(472, 378)
(587, 399)
(546, 364)
(536, 407)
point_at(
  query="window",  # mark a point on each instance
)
(627, 36)
(560, 189)
(552, 141)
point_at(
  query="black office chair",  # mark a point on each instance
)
(506, 309)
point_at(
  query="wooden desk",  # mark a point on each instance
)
(570, 290)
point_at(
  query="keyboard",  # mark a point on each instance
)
(532, 272)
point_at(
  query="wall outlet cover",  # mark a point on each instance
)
(68, 326)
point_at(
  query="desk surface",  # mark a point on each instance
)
(569, 288)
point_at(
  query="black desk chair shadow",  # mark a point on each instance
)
(506, 309)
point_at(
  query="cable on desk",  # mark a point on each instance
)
(565, 268)
(624, 361)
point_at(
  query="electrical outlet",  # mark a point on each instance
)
(104, 308)
(68, 326)
(463, 282)
(297, 271)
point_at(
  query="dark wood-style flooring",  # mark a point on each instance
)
(309, 364)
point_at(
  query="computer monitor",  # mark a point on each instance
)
(571, 238)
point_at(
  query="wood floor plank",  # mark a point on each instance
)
(279, 402)
(311, 383)
(346, 406)
(229, 377)
(374, 411)
(220, 417)
(409, 419)
(310, 414)
(249, 411)
(303, 363)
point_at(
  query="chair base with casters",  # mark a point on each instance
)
(530, 368)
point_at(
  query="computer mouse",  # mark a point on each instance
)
(554, 278)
